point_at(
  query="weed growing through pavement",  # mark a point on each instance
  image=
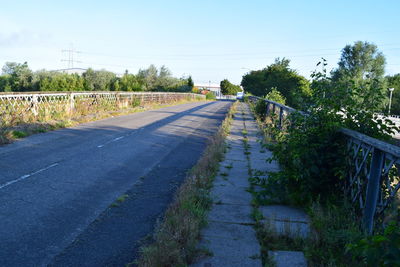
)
(230, 166)
(122, 198)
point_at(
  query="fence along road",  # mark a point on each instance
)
(54, 185)
(25, 107)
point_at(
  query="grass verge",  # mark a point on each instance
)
(15, 131)
(176, 238)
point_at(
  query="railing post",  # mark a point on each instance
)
(71, 103)
(34, 105)
(373, 188)
(280, 117)
(267, 112)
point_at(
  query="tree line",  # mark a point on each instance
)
(17, 77)
(360, 73)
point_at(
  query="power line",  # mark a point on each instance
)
(70, 56)
(258, 54)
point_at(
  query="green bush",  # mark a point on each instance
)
(379, 250)
(19, 134)
(312, 153)
(276, 96)
(261, 108)
(210, 96)
(334, 227)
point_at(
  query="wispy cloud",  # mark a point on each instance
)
(23, 38)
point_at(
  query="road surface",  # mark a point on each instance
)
(57, 188)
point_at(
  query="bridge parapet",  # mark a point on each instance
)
(28, 106)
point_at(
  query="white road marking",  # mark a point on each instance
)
(118, 138)
(113, 140)
(23, 177)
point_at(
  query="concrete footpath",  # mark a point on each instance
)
(230, 238)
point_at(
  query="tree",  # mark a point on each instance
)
(130, 82)
(276, 96)
(148, 77)
(294, 87)
(190, 82)
(362, 68)
(5, 83)
(254, 82)
(99, 80)
(227, 88)
(20, 76)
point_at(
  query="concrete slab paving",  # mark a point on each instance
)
(235, 154)
(288, 258)
(263, 165)
(282, 219)
(231, 214)
(233, 231)
(230, 236)
(283, 212)
(239, 180)
(285, 220)
(288, 228)
(230, 194)
(230, 252)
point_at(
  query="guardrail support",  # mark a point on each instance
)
(34, 105)
(280, 117)
(71, 103)
(373, 188)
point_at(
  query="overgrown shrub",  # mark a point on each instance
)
(276, 96)
(261, 108)
(210, 96)
(312, 155)
(380, 249)
(334, 227)
(312, 152)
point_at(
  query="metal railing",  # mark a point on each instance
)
(229, 97)
(374, 169)
(17, 106)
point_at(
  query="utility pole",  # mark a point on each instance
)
(390, 98)
(70, 56)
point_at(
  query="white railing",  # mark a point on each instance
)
(25, 107)
(230, 97)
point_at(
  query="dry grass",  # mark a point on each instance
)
(176, 238)
(14, 127)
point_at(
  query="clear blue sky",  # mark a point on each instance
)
(211, 40)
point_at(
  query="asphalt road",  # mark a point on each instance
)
(57, 188)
